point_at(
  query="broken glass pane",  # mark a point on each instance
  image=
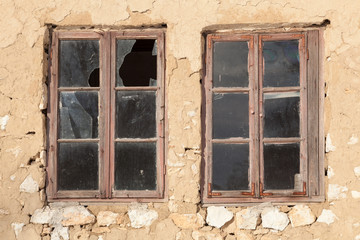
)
(230, 167)
(230, 64)
(78, 115)
(136, 62)
(282, 114)
(135, 114)
(79, 63)
(135, 166)
(281, 165)
(281, 63)
(78, 166)
(230, 115)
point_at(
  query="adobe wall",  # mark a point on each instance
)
(25, 215)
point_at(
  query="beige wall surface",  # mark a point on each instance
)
(24, 212)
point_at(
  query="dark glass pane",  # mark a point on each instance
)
(136, 62)
(135, 166)
(78, 166)
(230, 115)
(79, 113)
(135, 114)
(281, 165)
(79, 63)
(281, 63)
(281, 114)
(230, 64)
(230, 169)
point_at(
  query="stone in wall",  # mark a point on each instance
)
(77, 215)
(327, 216)
(17, 228)
(60, 216)
(301, 215)
(248, 218)
(140, 216)
(29, 185)
(43, 216)
(60, 233)
(106, 218)
(329, 147)
(355, 194)
(218, 216)
(188, 221)
(199, 235)
(272, 218)
(336, 192)
(3, 121)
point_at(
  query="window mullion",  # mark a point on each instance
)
(255, 161)
(104, 107)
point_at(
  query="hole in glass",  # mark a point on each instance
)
(94, 79)
(136, 61)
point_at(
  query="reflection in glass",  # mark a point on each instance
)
(79, 63)
(230, 64)
(135, 114)
(230, 169)
(79, 113)
(135, 166)
(78, 166)
(281, 63)
(281, 165)
(136, 62)
(282, 114)
(230, 115)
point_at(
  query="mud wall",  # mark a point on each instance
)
(24, 39)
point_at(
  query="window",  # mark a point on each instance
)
(106, 115)
(262, 126)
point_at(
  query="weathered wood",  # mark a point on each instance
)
(313, 112)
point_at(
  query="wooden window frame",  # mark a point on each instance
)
(106, 139)
(311, 118)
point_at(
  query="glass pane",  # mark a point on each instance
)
(79, 114)
(282, 114)
(79, 63)
(230, 170)
(136, 62)
(230, 115)
(281, 165)
(230, 64)
(78, 166)
(281, 63)
(135, 114)
(135, 166)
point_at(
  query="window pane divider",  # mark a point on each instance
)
(61, 89)
(282, 140)
(225, 89)
(281, 89)
(136, 140)
(84, 140)
(231, 140)
(136, 88)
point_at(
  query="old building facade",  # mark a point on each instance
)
(185, 196)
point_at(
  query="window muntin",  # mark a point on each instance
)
(271, 69)
(102, 112)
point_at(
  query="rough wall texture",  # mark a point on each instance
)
(24, 214)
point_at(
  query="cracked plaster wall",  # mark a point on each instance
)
(23, 94)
